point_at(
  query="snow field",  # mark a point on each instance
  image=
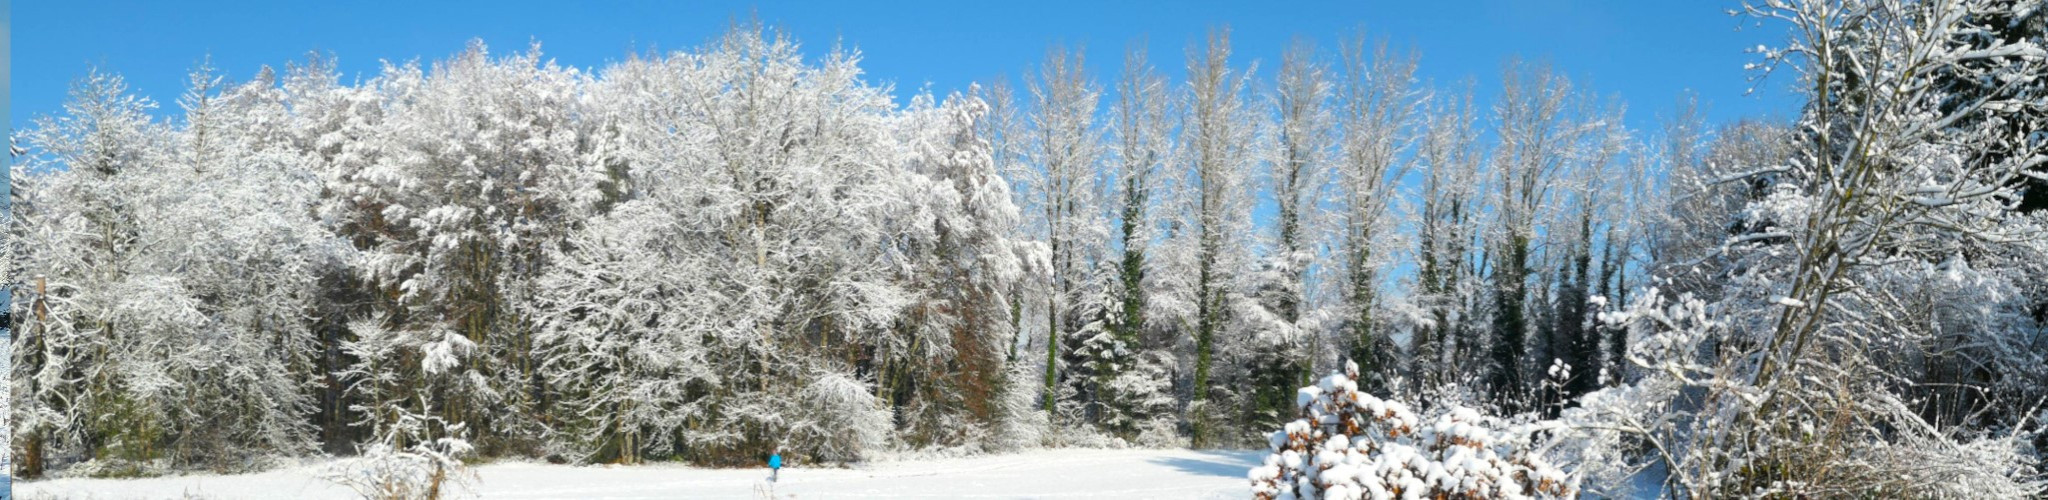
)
(1068, 473)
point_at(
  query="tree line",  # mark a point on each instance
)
(709, 254)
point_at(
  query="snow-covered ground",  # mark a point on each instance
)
(1175, 474)
(6, 457)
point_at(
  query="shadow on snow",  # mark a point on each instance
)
(1227, 463)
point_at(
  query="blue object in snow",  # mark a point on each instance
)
(775, 461)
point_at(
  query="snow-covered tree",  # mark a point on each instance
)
(965, 240)
(749, 168)
(1219, 132)
(1446, 287)
(478, 171)
(1278, 357)
(1883, 179)
(1876, 216)
(1143, 134)
(1065, 154)
(1377, 104)
(1587, 193)
(169, 268)
(1538, 138)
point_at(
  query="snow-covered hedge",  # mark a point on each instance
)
(1352, 445)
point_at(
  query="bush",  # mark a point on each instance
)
(1351, 445)
(425, 471)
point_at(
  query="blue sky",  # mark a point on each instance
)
(1647, 52)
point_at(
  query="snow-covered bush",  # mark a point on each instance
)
(117, 468)
(424, 471)
(421, 458)
(1352, 445)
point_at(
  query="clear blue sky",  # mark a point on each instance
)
(1645, 51)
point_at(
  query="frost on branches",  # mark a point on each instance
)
(1351, 445)
(709, 254)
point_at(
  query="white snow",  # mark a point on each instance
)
(6, 366)
(1066, 473)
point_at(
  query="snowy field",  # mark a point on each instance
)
(6, 459)
(1175, 474)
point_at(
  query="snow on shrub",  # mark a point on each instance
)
(1351, 445)
(427, 470)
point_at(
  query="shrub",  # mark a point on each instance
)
(425, 471)
(1351, 445)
